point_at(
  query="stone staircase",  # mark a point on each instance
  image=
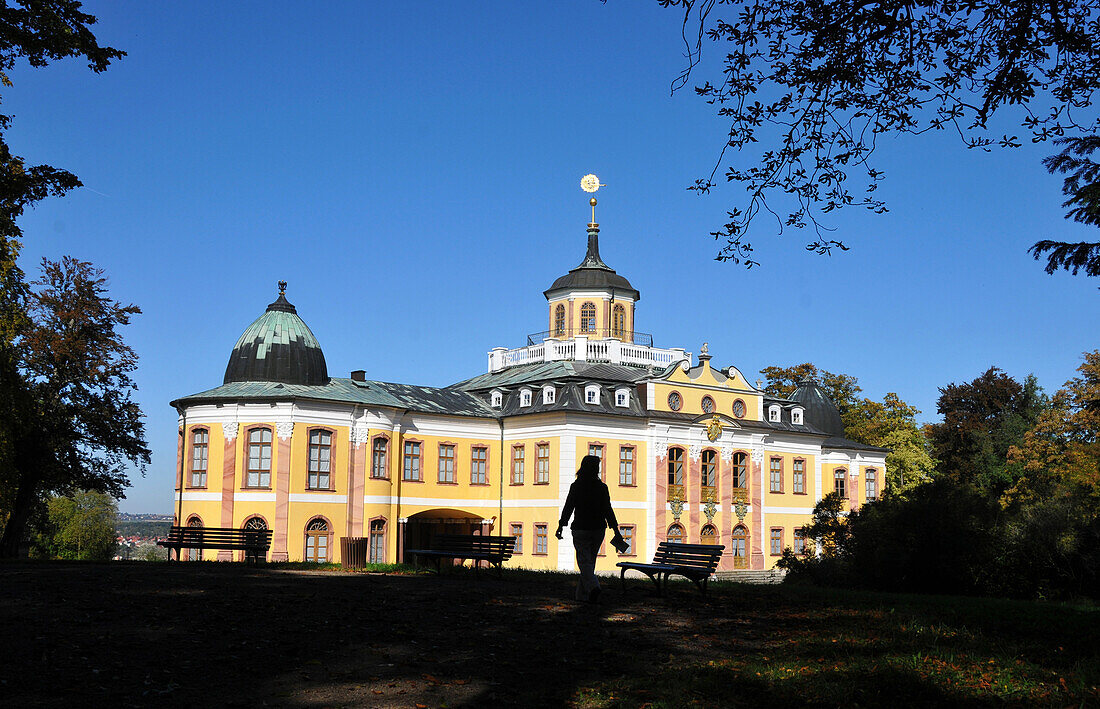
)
(750, 576)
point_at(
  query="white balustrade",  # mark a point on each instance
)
(582, 349)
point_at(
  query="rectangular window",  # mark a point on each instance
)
(596, 449)
(411, 470)
(777, 541)
(199, 441)
(377, 542)
(320, 460)
(446, 463)
(776, 475)
(378, 459)
(799, 541)
(518, 455)
(840, 483)
(516, 530)
(799, 485)
(259, 458)
(478, 459)
(627, 530)
(542, 465)
(872, 485)
(675, 466)
(541, 539)
(626, 465)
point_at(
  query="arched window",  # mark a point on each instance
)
(740, 470)
(378, 541)
(709, 534)
(194, 554)
(675, 466)
(378, 466)
(618, 321)
(320, 459)
(559, 320)
(317, 541)
(709, 469)
(840, 482)
(740, 543)
(259, 458)
(588, 317)
(254, 523)
(200, 437)
(676, 533)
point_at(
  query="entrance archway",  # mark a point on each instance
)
(419, 529)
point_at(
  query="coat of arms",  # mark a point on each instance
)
(714, 428)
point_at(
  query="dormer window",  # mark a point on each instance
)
(773, 413)
(496, 399)
(548, 394)
(796, 416)
(525, 397)
(622, 397)
(592, 394)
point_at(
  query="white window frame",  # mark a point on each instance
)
(774, 416)
(548, 394)
(496, 398)
(796, 415)
(622, 397)
(524, 397)
(592, 394)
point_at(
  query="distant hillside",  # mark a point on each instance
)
(142, 528)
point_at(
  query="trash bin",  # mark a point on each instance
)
(353, 552)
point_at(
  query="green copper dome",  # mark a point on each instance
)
(278, 347)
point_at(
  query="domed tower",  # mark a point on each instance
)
(821, 412)
(278, 347)
(592, 300)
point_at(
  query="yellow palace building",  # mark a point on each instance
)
(691, 452)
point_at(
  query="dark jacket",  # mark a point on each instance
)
(590, 500)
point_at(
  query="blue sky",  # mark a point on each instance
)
(412, 170)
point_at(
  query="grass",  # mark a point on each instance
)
(811, 646)
(125, 633)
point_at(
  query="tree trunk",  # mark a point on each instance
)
(15, 529)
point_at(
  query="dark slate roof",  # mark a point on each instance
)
(536, 374)
(369, 393)
(277, 347)
(593, 272)
(820, 409)
(842, 442)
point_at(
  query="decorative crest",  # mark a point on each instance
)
(714, 428)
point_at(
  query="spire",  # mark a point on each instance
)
(592, 257)
(281, 303)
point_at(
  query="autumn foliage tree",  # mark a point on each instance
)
(77, 426)
(982, 419)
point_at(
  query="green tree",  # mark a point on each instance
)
(80, 526)
(843, 389)
(813, 84)
(982, 419)
(77, 426)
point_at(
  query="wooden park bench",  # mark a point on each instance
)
(254, 542)
(476, 547)
(694, 561)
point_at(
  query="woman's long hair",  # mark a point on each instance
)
(590, 466)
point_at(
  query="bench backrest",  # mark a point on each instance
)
(494, 546)
(694, 556)
(257, 538)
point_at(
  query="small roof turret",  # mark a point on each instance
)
(821, 412)
(278, 347)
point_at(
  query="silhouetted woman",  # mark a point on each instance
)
(589, 503)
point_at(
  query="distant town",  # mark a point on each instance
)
(137, 536)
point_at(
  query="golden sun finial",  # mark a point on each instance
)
(590, 183)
